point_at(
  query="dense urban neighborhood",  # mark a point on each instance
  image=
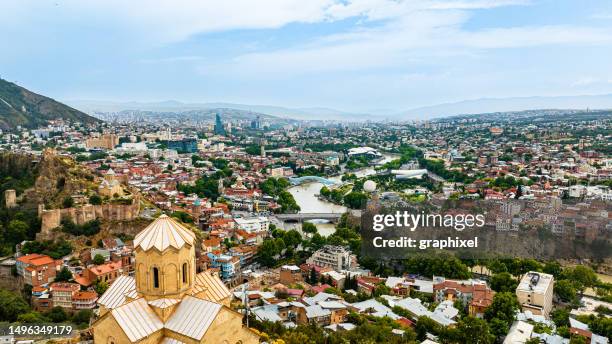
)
(258, 220)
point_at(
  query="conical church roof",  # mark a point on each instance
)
(163, 233)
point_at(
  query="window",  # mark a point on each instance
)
(155, 278)
(184, 272)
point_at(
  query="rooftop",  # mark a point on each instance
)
(536, 282)
(163, 233)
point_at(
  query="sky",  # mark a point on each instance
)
(353, 55)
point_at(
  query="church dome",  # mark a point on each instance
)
(163, 233)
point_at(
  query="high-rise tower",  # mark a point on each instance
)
(219, 129)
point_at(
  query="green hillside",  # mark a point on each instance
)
(19, 106)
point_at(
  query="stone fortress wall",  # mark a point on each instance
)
(51, 218)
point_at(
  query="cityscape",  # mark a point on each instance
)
(137, 219)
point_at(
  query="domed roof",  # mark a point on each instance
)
(163, 233)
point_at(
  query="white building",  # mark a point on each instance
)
(336, 257)
(520, 332)
(364, 151)
(253, 224)
(132, 148)
(535, 293)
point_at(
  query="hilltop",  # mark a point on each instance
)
(20, 106)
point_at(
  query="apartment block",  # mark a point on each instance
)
(535, 293)
(37, 269)
(336, 257)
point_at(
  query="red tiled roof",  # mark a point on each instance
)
(36, 259)
(64, 287)
(321, 288)
(105, 268)
(84, 295)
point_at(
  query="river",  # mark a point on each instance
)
(305, 196)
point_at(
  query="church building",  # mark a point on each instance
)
(167, 302)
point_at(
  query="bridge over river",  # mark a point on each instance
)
(301, 217)
(308, 179)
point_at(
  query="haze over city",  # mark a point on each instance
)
(362, 56)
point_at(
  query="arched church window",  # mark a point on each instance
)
(155, 278)
(184, 272)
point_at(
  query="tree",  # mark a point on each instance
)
(576, 339)
(317, 241)
(584, 277)
(565, 290)
(503, 282)
(182, 216)
(266, 253)
(11, 306)
(474, 330)
(308, 227)
(287, 202)
(503, 308)
(32, 317)
(68, 202)
(54, 249)
(601, 325)
(313, 276)
(381, 289)
(64, 275)
(57, 314)
(560, 317)
(355, 200)
(98, 259)
(496, 266)
(95, 200)
(82, 316)
(553, 268)
(16, 231)
(424, 325)
(499, 327)
(100, 287)
(292, 238)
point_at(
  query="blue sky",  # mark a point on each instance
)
(354, 55)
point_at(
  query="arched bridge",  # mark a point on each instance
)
(301, 217)
(307, 179)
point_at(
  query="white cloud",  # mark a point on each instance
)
(175, 20)
(415, 37)
(170, 20)
(590, 81)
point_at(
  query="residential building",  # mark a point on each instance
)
(185, 145)
(84, 300)
(253, 224)
(229, 266)
(106, 141)
(37, 269)
(475, 295)
(290, 274)
(62, 293)
(535, 293)
(336, 257)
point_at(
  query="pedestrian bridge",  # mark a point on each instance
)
(301, 217)
(309, 179)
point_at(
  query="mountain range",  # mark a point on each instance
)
(92, 106)
(22, 107)
(489, 105)
(475, 106)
